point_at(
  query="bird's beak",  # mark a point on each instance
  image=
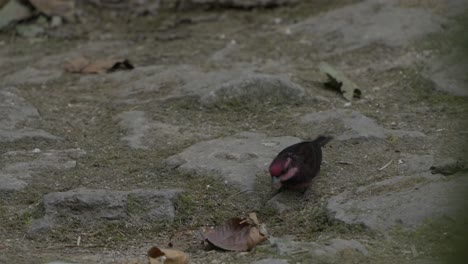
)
(276, 183)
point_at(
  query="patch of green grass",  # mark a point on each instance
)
(207, 201)
(135, 206)
(392, 140)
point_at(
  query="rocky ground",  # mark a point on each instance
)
(97, 168)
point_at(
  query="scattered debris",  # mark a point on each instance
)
(13, 12)
(237, 234)
(339, 82)
(87, 66)
(167, 256)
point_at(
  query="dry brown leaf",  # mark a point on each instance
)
(84, 65)
(236, 235)
(76, 65)
(62, 8)
(169, 256)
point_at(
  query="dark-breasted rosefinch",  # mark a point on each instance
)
(295, 166)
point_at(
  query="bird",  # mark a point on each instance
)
(295, 166)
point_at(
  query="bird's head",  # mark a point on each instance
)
(282, 169)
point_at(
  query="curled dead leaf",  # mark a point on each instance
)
(85, 65)
(167, 256)
(237, 234)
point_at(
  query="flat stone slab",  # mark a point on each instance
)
(30, 75)
(449, 73)
(329, 249)
(88, 206)
(355, 124)
(239, 85)
(243, 3)
(237, 159)
(271, 261)
(349, 28)
(409, 207)
(15, 110)
(15, 176)
(415, 163)
(143, 133)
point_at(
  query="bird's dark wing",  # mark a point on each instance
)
(307, 156)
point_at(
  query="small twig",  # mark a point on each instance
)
(386, 165)
(345, 162)
(237, 193)
(414, 251)
(299, 251)
(78, 241)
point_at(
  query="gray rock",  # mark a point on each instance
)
(348, 27)
(410, 181)
(237, 159)
(415, 163)
(88, 206)
(12, 12)
(10, 183)
(238, 3)
(15, 176)
(137, 126)
(15, 109)
(409, 208)
(449, 73)
(279, 203)
(225, 52)
(271, 261)
(143, 133)
(239, 85)
(254, 88)
(31, 75)
(356, 125)
(330, 249)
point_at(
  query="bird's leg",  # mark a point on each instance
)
(305, 194)
(277, 191)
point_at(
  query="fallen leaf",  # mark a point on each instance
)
(167, 256)
(62, 8)
(13, 12)
(339, 82)
(84, 65)
(237, 234)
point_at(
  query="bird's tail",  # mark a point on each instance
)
(322, 140)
